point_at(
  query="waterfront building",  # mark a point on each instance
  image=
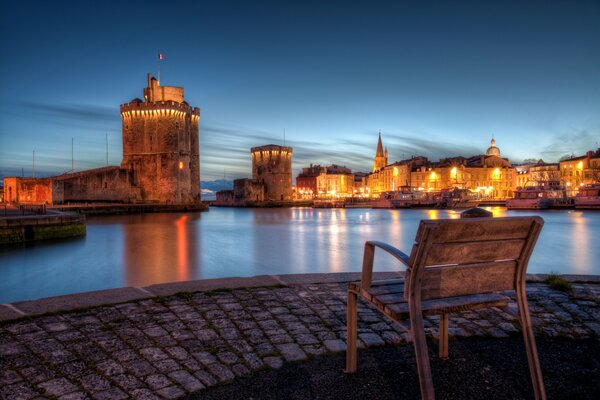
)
(488, 175)
(160, 159)
(271, 179)
(579, 171)
(306, 182)
(335, 181)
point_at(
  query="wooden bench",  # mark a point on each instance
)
(454, 265)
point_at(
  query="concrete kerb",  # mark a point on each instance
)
(84, 300)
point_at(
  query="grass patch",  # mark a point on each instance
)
(557, 282)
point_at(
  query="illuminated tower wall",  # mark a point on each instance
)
(272, 166)
(160, 145)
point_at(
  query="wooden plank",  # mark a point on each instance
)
(386, 289)
(480, 229)
(451, 304)
(468, 279)
(474, 252)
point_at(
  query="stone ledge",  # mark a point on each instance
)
(79, 300)
(70, 302)
(168, 289)
(338, 277)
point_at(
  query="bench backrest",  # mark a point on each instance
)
(470, 256)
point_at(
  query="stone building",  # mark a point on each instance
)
(306, 182)
(272, 168)
(489, 175)
(335, 181)
(160, 159)
(579, 171)
(271, 179)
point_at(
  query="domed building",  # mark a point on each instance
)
(493, 150)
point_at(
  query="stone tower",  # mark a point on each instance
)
(381, 157)
(160, 145)
(272, 167)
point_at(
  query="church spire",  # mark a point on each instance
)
(380, 156)
(379, 152)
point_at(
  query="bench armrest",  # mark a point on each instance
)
(369, 255)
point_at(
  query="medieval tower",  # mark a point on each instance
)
(160, 145)
(381, 156)
(272, 167)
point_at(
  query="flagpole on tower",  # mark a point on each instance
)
(161, 56)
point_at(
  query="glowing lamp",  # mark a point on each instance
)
(180, 164)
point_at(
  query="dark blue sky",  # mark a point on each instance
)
(438, 78)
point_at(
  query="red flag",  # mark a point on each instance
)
(161, 56)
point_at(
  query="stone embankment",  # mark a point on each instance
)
(168, 340)
(94, 209)
(28, 228)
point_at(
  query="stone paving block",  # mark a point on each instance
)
(371, 339)
(157, 381)
(291, 352)
(110, 394)
(166, 366)
(221, 372)
(240, 370)
(139, 367)
(18, 391)
(186, 380)
(228, 358)
(143, 394)
(57, 387)
(204, 357)
(8, 376)
(74, 396)
(273, 362)
(314, 349)
(94, 383)
(206, 378)
(127, 382)
(335, 345)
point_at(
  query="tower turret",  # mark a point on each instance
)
(272, 167)
(160, 145)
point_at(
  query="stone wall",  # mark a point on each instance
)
(28, 190)
(32, 228)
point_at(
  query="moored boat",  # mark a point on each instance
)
(588, 196)
(539, 197)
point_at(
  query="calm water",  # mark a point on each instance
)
(141, 250)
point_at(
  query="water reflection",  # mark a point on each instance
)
(157, 248)
(142, 250)
(580, 243)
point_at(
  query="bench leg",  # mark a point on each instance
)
(422, 356)
(530, 346)
(443, 344)
(351, 327)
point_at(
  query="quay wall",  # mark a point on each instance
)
(23, 229)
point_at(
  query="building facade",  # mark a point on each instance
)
(579, 171)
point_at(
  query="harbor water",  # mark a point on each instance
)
(140, 250)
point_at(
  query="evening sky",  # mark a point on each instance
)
(437, 78)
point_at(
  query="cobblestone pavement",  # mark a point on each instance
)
(164, 348)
